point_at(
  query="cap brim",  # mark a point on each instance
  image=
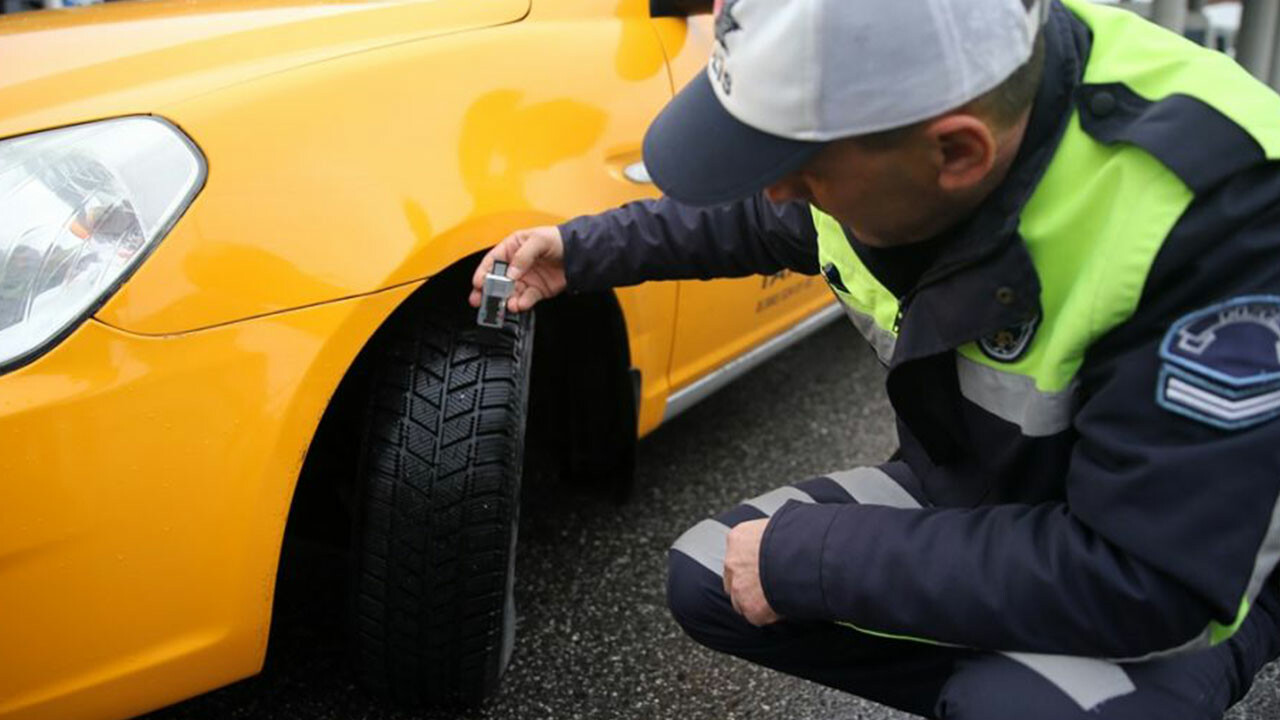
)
(699, 154)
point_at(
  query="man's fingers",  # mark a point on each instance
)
(537, 251)
(762, 617)
(525, 299)
(531, 248)
(501, 251)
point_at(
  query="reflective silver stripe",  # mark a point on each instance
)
(1087, 681)
(705, 543)
(693, 393)
(1219, 407)
(1014, 398)
(872, 486)
(882, 341)
(769, 502)
(1268, 556)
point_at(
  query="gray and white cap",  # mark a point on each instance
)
(786, 76)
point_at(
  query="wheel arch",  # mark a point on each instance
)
(581, 353)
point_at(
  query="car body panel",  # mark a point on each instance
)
(719, 321)
(192, 397)
(350, 159)
(318, 199)
(486, 152)
(649, 311)
(139, 569)
(99, 61)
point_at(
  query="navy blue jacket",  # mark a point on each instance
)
(1124, 535)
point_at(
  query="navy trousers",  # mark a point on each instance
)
(952, 683)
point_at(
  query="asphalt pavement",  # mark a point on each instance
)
(595, 640)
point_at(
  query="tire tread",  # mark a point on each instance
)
(440, 461)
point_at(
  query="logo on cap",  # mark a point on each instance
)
(725, 23)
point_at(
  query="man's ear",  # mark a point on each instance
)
(963, 151)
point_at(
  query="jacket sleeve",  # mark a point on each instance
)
(1170, 524)
(664, 240)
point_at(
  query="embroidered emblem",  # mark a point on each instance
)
(1009, 344)
(726, 23)
(1221, 365)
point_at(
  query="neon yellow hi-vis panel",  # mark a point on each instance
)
(870, 306)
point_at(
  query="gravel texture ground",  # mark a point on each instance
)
(595, 640)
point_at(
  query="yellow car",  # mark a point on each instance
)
(236, 240)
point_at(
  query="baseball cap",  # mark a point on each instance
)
(788, 76)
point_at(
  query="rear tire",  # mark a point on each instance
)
(439, 483)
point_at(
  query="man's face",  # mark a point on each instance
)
(886, 196)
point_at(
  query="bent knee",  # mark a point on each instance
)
(696, 598)
(695, 595)
(695, 567)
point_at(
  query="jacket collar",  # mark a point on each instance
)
(983, 279)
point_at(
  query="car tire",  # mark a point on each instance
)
(439, 484)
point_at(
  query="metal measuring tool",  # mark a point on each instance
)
(493, 297)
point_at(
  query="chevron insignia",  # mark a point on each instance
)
(1221, 365)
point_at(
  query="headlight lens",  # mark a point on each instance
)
(80, 207)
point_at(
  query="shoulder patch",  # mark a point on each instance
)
(1221, 365)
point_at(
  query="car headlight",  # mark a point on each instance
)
(80, 207)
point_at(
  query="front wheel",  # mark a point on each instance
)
(439, 479)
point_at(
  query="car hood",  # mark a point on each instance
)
(68, 66)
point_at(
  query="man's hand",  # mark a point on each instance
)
(535, 259)
(742, 573)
